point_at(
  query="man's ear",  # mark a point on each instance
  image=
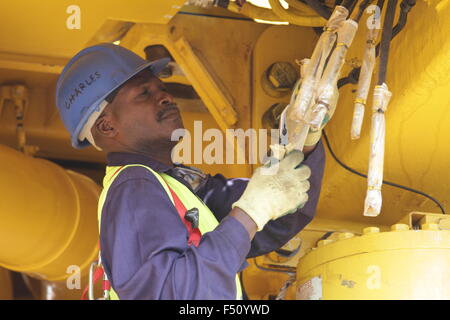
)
(105, 126)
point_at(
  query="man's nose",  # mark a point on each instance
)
(165, 98)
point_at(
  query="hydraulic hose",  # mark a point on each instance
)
(348, 4)
(386, 37)
(381, 98)
(405, 7)
(356, 15)
(319, 8)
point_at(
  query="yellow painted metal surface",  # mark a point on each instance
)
(42, 124)
(255, 280)
(399, 264)
(220, 105)
(49, 220)
(417, 125)
(61, 28)
(259, 284)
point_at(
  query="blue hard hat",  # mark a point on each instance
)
(90, 76)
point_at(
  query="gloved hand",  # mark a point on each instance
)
(276, 189)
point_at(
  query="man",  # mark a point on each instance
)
(160, 236)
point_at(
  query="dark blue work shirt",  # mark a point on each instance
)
(144, 249)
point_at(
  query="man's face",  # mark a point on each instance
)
(144, 112)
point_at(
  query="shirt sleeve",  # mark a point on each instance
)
(145, 252)
(220, 193)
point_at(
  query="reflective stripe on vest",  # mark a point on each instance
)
(207, 220)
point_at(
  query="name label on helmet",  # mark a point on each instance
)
(81, 87)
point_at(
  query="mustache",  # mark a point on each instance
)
(169, 107)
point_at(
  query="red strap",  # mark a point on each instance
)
(194, 234)
(120, 168)
(98, 274)
(106, 284)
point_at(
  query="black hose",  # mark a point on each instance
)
(352, 77)
(318, 7)
(327, 142)
(352, 7)
(386, 38)
(318, 30)
(364, 4)
(348, 4)
(405, 7)
(380, 4)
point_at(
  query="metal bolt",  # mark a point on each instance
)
(282, 76)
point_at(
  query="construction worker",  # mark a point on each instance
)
(168, 231)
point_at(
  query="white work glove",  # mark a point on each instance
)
(276, 189)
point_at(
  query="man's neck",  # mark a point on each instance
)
(163, 157)
(160, 152)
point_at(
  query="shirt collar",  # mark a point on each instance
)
(125, 158)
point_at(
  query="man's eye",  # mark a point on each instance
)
(144, 93)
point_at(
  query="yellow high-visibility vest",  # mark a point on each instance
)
(207, 220)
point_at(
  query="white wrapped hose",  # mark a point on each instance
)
(365, 78)
(302, 101)
(327, 84)
(381, 97)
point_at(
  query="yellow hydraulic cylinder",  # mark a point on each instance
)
(48, 217)
(399, 264)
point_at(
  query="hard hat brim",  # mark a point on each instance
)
(155, 67)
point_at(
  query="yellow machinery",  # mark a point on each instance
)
(233, 63)
(49, 222)
(402, 263)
